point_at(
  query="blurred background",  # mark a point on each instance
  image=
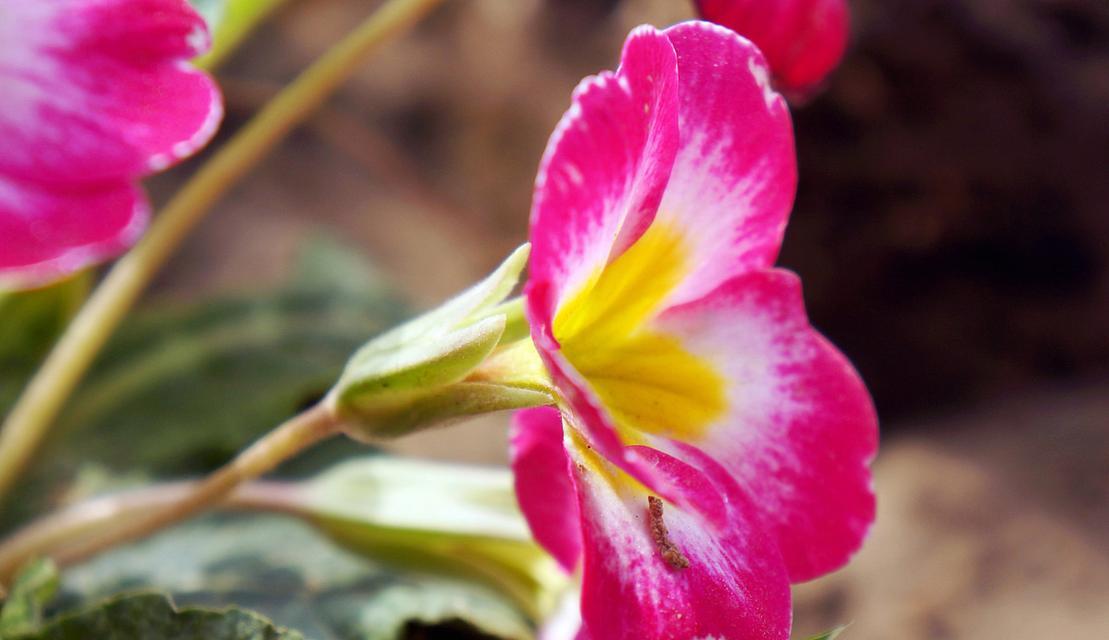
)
(951, 229)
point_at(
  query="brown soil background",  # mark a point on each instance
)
(950, 227)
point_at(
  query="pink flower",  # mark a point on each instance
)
(95, 95)
(710, 447)
(803, 40)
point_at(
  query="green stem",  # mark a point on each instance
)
(101, 515)
(44, 535)
(295, 435)
(71, 357)
(516, 567)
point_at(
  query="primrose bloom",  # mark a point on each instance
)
(803, 40)
(94, 94)
(709, 446)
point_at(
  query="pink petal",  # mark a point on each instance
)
(735, 174)
(41, 240)
(97, 94)
(698, 580)
(800, 430)
(674, 480)
(606, 165)
(595, 426)
(137, 29)
(803, 39)
(543, 485)
(99, 91)
(574, 391)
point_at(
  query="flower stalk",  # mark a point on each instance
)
(451, 362)
(288, 439)
(468, 525)
(100, 516)
(34, 412)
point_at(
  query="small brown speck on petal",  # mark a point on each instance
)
(666, 547)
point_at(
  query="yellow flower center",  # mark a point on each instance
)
(646, 380)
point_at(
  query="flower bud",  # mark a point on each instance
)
(429, 370)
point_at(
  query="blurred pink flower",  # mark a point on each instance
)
(803, 40)
(709, 446)
(95, 94)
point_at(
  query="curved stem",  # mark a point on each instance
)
(72, 536)
(443, 545)
(40, 402)
(103, 515)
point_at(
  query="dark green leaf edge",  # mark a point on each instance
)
(154, 616)
(321, 590)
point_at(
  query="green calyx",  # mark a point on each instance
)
(469, 356)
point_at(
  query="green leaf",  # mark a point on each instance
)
(154, 617)
(33, 588)
(830, 635)
(179, 390)
(30, 321)
(291, 574)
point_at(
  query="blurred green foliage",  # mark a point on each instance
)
(34, 587)
(179, 390)
(30, 321)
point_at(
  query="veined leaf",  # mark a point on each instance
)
(154, 617)
(288, 572)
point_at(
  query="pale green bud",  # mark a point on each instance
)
(444, 518)
(433, 368)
